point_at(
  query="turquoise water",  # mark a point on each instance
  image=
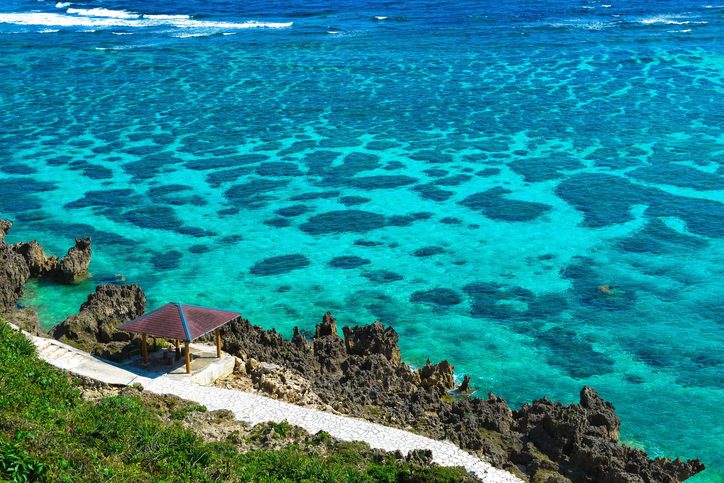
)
(490, 167)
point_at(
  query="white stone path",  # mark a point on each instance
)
(254, 409)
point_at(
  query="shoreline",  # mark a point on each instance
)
(363, 374)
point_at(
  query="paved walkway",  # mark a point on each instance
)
(254, 409)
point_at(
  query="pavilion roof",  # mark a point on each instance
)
(179, 321)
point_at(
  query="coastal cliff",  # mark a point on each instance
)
(362, 374)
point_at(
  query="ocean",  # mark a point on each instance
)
(531, 190)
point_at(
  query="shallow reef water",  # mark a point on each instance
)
(531, 190)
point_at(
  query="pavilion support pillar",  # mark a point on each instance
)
(144, 348)
(188, 357)
(218, 343)
(178, 350)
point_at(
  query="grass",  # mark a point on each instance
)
(49, 432)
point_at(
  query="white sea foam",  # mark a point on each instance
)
(186, 36)
(669, 20)
(606, 6)
(380, 17)
(166, 17)
(102, 12)
(115, 18)
(48, 31)
(62, 4)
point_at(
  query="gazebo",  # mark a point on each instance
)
(180, 322)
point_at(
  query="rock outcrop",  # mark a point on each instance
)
(582, 440)
(362, 375)
(39, 263)
(14, 271)
(93, 328)
(73, 267)
(26, 319)
(371, 339)
(439, 377)
(5, 226)
(13, 275)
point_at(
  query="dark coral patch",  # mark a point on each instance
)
(166, 189)
(253, 193)
(115, 199)
(154, 216)
(225, 162)
(381, 145)
(542, 169)
(278, 169)
(658, 238)
(279, 265)
(199, 248)
(436, 172)
(18, 194)
(574, 354)
(379, 182)
(278, 222)
(347, 262)
(342, 221)
(678, 175)
(291, 211)
(405, 220)
(488, 172)
(382, 276)
(318, 162)
(167, 260)
(493, 204)
(315, 196)
(368, 243)
(431, 192)
(430, 156)
(450, 220)
(437, 296)
(18, 169)
(428, 251)
(355, 163)
(353, 200)
(92, 171)
(230, 239)
(595, 290)
(150, 166)
(217, 178)
(194, 231)
(455, 180)
(607, 200)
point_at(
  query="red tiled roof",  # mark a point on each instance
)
(179, 321)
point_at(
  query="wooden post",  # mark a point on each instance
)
(178, 350)
(188, 357)
(144, 348)
(218, 343)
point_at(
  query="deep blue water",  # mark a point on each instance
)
(532, 190)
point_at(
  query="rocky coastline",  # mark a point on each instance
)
(360, 373)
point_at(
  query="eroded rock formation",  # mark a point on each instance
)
(39, 263)
(13, 275)
(362, 375)
(74, 265)
(93, 328)
(14, 271)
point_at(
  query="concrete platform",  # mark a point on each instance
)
(165, 362)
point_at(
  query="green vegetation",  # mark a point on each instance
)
(50, 432)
